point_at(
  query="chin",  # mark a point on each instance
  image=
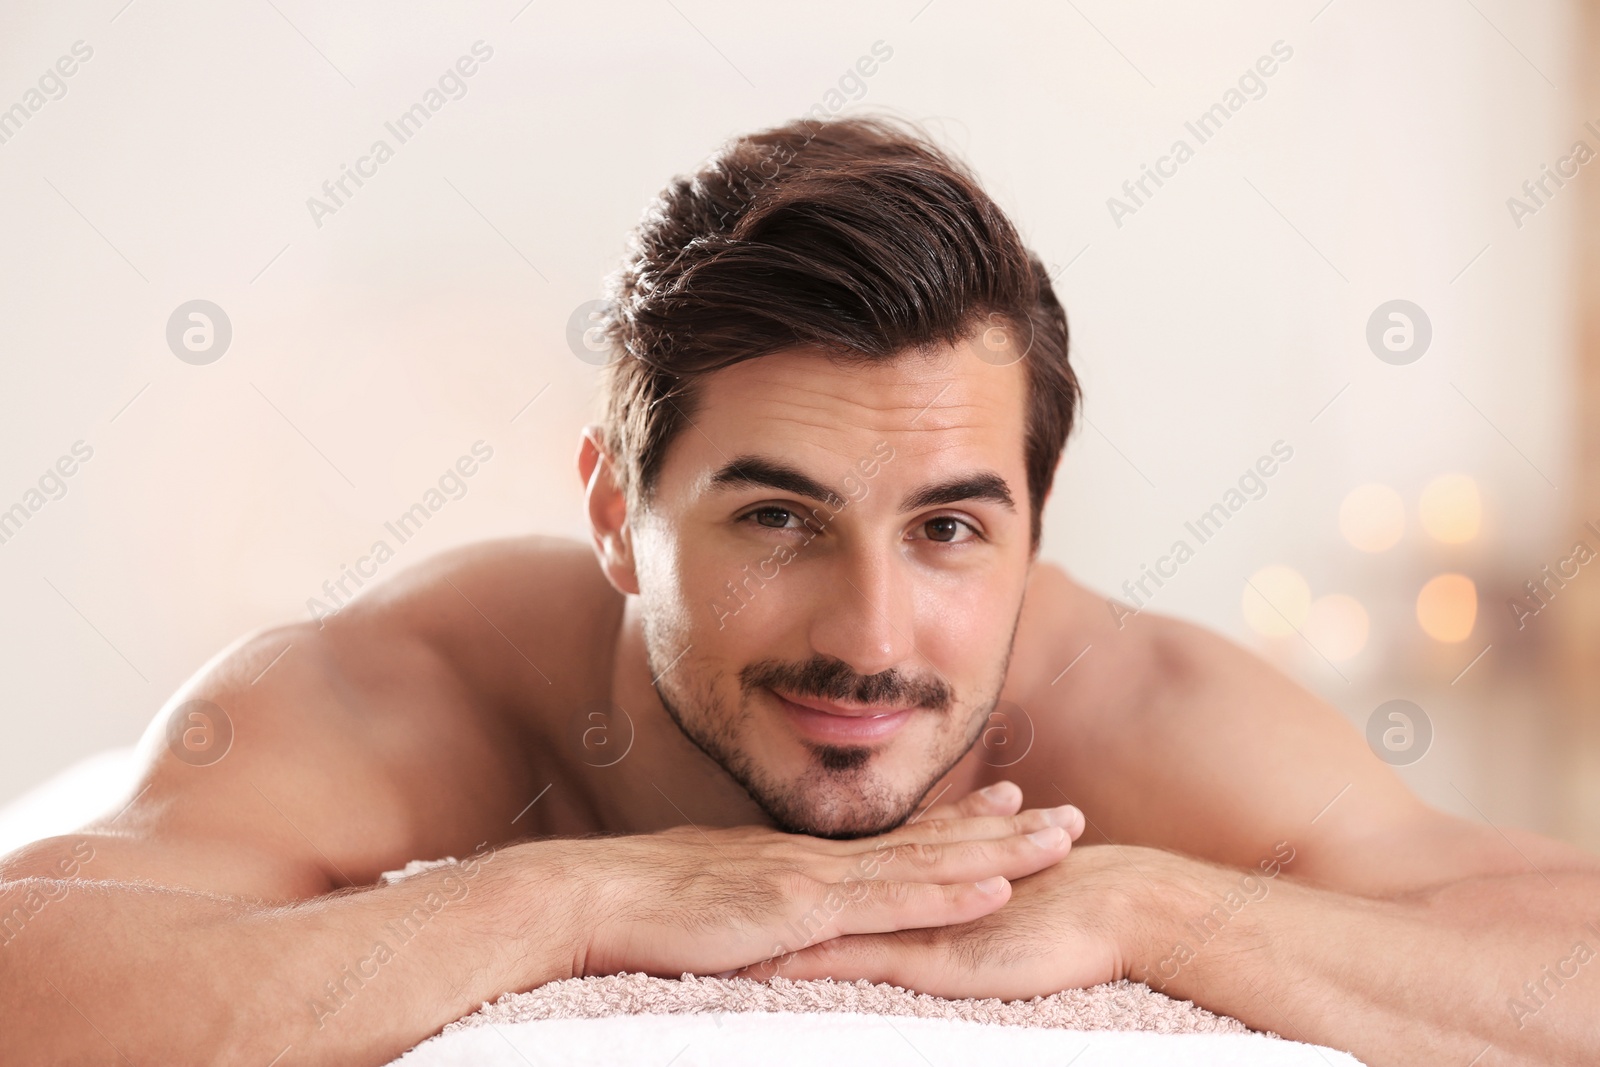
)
(840, 818)
(839, 792)
(821, 786)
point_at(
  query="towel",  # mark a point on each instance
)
(637, 1018)
(1115, 1006)
(1120, 1005)
(841, 1039)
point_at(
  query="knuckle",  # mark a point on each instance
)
(855, 890)
(894, 894)
(903, 854)
(796, 883)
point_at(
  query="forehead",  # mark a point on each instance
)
(820, 410)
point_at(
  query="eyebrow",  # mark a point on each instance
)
(979, 485)
(746, 471)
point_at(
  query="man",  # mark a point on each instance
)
(831, 714)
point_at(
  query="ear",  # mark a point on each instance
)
(608, 513)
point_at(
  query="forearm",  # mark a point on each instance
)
(108, 971)
(1493, 970)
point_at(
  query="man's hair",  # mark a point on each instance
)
(856, 235)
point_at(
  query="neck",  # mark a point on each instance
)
(664, 780)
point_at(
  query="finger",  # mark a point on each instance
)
(882, 906)
(844, 959)
(1011, 857)
(875, 906)
(981, 828)
(910, 962)
(1001, 798)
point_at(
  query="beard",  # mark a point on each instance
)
(840, 793)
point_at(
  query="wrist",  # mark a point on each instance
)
(1158, 945)
(536, 914)
(1196, 916)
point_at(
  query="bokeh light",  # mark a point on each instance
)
(1372, 517)
(1337, 626)
(1447, 608)
(1451, 509)
(1276, 601)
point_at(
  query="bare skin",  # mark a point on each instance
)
(229, 915)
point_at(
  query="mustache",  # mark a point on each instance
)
(832, 679)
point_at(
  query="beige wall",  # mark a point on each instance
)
(372, 351)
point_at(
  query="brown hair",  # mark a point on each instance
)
(855, 235)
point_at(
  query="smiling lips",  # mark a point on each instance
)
(828, 723)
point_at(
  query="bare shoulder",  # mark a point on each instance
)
(1170, 735)
(304, 757)
(513, 616)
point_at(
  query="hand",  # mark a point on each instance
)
(712, 901)
(1066, 927)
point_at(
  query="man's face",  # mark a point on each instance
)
(831, 571)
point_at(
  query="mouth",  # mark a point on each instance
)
(825, 722)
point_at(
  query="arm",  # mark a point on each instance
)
(112, 971)
(1487, 969)
(109, 971)
(228, 913)
(1491, 968)
(1256, 858)
(1396, 931)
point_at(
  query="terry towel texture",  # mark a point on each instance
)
(1117, 1006)
(842, 1039)
(731, 1022)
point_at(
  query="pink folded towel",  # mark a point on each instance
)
(1115, 1006)
(1129, 1006)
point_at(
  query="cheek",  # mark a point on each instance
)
(664, 569)
(968, 637)
(750, 602)
(968, 622)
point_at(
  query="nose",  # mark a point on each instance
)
(864, 611)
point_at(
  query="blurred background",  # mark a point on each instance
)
(1377, 251)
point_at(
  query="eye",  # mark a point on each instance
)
(774, 518)
(947, 529)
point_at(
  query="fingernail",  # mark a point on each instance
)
(1065, 815)
(1049, 837)
(992, 885)
(996, 792)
